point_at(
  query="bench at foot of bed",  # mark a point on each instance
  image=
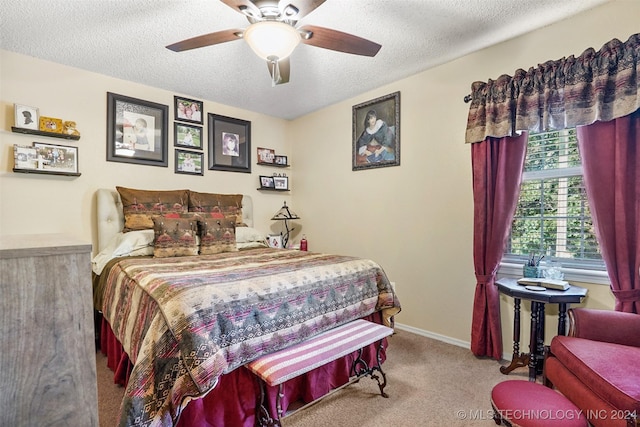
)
(276, 368)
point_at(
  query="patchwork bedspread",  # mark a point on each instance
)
(186, 321)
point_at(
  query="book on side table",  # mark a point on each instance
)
(560, 285)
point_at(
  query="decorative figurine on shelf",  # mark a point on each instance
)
(69, 128)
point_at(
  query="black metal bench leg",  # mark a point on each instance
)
(360, 368)
(263, 418)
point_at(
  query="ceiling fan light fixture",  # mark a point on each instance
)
(269, 39)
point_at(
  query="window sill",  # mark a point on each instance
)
(570, 274)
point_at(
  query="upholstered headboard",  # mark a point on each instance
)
(111, 216)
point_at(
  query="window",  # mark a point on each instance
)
(553, 217)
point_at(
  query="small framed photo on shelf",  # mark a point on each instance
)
(267, 182)
(50, 124)
(25, 157)
(187, 110)
(56, 158)
(266, 155)
(281, 160)
(26, 117)
(187, 136)
(281, 182)
(189, 162)
(275, 241)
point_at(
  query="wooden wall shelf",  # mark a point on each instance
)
(42, 133)
(46, 172)
(275, 165)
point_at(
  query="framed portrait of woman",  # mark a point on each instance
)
(376, 133)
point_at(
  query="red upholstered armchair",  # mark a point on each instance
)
(597, 366)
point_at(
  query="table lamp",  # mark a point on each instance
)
(285, 214)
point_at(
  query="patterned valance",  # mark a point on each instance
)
(601, 85)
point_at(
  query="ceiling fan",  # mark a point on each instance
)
(273, 34)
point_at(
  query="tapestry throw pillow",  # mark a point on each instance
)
(217, 235)
(216, 205)
(139, 206)
(175, 237)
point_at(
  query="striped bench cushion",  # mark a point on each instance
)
(288, 363)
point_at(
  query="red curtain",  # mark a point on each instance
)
(611, 161)
(497, 172)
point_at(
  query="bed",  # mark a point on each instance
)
(178, 329)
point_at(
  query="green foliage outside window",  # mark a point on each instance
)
(553, 217)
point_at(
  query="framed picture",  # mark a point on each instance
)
(187, 136)
(229, 144)
(281, 182)
(56, 158)
(275, 241)
(137, 131)
(26, 117)
(187, 110)
(267, 182)
(376, 133)
(24, 157)
(189, 162)
(281, 160)
(266, 155)
(50, 124)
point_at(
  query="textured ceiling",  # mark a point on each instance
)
(127, 38)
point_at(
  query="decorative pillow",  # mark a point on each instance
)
(217, 235)
(175, 237)
(139, 206)
(216, 205)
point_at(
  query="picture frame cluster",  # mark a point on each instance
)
(137, 132)
(188, 136)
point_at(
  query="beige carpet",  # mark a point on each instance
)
(430, 383)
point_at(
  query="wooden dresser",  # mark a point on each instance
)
(47, 349)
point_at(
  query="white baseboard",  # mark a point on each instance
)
(439, 337)
(433, 335)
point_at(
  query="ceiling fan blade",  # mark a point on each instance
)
(279, 71)
(336, 40)
(303, 8)
(206, 40)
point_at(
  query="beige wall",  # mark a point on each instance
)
(415, 220)
(32, 203)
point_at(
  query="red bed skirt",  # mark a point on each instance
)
(233, 401)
